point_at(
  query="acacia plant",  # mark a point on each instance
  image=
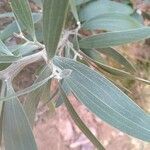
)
(71, 37)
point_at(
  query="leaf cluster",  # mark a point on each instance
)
(75, 60)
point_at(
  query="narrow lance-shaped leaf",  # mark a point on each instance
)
(118, 57)
(16, 129)
(74, 10)
(79, 122)
(54, 16)
(113, 71)
(11, 28)
(105, 100)
(112, 22)
(22, 11)
(109, 39)
(95, 8)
